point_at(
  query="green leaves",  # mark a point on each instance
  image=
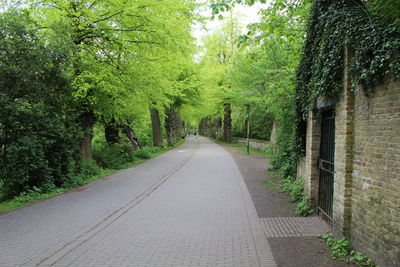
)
(332, 25)
(342, 250)
(108, 59)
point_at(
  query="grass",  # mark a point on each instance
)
(243, 148)
(243, 151)
(34, 195)
(233, 144)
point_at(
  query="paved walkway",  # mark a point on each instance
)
(188, 207)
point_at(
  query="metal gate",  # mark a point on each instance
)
(326, 165)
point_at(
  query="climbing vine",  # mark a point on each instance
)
(333, 24)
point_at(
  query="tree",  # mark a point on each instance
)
(37, 128)
(110, 43)
(219, 50)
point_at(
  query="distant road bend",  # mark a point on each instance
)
(187, 207)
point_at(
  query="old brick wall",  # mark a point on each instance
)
(375, 201)
(307, 169)
(366, 197)
(344, 151)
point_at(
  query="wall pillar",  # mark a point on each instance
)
(311, 171)
(344, 143)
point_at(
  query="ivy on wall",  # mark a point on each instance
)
(372, 28)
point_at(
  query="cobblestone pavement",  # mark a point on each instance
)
(190, 208)
(294, 226)
(292, 239)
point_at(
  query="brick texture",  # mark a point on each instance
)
(376, 174)
(307, 168)
(366, 205)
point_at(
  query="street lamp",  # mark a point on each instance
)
(248, 127)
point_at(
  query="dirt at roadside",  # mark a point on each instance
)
(270, 202)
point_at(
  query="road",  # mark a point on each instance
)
(187, 207)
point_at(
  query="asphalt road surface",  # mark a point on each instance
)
(187, 207)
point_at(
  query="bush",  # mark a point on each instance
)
(142, 154)
(342, 250)
(89, 168)
(85, 170)
(113, 156)
(146, 152)
(152, 149)
(303, 208)
(295, 189)
(38, 136)
(38, 150)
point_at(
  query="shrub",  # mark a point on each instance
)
(295, 189)
(303, 208)
(152, 149)
(89, 168)
(142, 153)
(342, 250)
(113, 156)
(38, 136)
(85, 170)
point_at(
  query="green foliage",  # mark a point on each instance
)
(119, 155)
(143, 154)
(63, 59)
(154, 149)
(371, 28)
(295, 189)
(332, 25)
(30, 196)
(86, 172)
(147, 152)
(219, 6)
(303, 208)
(342, 250)
(113, 156)
(38, 140)
(88, 169)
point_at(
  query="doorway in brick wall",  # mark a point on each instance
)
(326, 165)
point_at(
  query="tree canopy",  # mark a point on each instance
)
(118, 77)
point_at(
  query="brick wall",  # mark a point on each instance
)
(307, 167)
(344, 150)
(375, 198)
(366, 197)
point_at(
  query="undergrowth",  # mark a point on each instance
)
(90, 170)
(295, 189)
(341, 249)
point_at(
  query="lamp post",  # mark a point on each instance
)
(248, 127)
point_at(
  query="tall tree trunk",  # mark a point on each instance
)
(111, 132)
(173, 126)
(156, 127)
(169, 126)
(202, 126)
(131, 136)
(227, 123)
(218, 126)
(86, 121)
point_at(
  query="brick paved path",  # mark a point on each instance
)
(189, 207)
